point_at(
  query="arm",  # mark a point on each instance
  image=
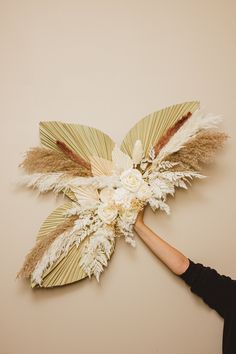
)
(216, 290)
(170, 256)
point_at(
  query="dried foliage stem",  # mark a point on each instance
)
(170, 132)
(72, 155)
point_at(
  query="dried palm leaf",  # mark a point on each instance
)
(66, 269)
(42, 245)
(86, 195)
(83, 140)
(170, 132)
(197, 122)
(151, 128)
(121, 161)
(100, 166)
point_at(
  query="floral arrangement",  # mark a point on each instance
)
(107, 186)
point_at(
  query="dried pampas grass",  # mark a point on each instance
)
(199, 150)
(43, 160)
(42, 246)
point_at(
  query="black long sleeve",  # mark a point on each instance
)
(218, 292)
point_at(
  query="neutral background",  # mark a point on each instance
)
(107, 64)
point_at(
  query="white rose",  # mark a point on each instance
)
(144, 192)
(123, 197)
(131, 179)
(106, 194)
(107, 212)
(129, 216)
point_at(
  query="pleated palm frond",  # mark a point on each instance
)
(152, 127)
(59, 273)
(83, 140)
(100, 166)
(66, 269)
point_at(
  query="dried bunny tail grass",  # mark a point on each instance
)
(170, 132)
(41, 247)
(72, 155)
(199, 150)
(43, 160)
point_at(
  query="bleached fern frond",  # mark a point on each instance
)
(160, 187)
(197, 122)
(159, 204)
(138, 152)
(121, 161)
(165, 165)
(97, 252)
(174, 176)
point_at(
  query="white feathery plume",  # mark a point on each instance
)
(137, 153)
(57, 182)
(43, 181)
(57, 248)
(198, 121)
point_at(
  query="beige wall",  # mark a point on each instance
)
(108, 64)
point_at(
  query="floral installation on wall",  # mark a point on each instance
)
(106, 186)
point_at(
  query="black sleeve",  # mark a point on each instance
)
(216, 290)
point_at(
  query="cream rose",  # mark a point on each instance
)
(131, 179)
(106, 194)
(107, 212)
(129, 216)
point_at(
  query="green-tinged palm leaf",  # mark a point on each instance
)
(66, 269)
(85, 141)
(152, 127)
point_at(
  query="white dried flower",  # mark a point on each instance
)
(137, 153)
(107, 212)
(129, 216)
(106, 194)
(131, 179)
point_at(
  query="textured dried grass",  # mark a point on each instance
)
(42, 160)
(42, 245)
(199, 150)
(170, 132)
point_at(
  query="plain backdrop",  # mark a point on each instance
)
(107, 64)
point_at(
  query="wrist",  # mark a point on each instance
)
(139, 225)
